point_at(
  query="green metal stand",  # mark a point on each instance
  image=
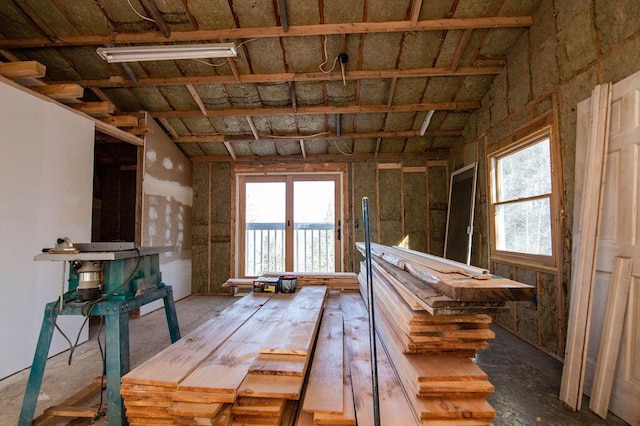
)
(116, 315)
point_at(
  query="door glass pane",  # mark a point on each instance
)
(264, 232)
(314, 216)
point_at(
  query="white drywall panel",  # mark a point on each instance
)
(46, 187)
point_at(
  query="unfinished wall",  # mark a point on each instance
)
(399, 208)
(46, 175)
(167, 199)
(572, 46)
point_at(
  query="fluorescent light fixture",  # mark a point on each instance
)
(427, 120)
(167, 52)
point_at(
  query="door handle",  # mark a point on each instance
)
(339, 231)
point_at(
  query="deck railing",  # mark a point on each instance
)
(314, 247)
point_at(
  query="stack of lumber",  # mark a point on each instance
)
(457, 281)
(336, 280)
(241, 366)
(431, 319)
(338, 390)
(418, 331)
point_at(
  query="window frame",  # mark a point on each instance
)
(503, 149)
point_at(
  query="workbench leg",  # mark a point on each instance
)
(37, 367)
(172, 318)
(116, 336)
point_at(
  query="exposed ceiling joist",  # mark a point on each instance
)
(296, 77)
(327, 135)
(269, 32)
(435, 154)
(348, 109)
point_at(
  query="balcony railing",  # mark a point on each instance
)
(314, 247)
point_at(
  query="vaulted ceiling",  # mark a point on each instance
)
(286, 95)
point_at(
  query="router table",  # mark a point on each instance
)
(130, 278)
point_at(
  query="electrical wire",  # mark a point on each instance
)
(137, 13)
(327, 59)
(341, 151)
(211, 65)
(266, 135)
(99, 413)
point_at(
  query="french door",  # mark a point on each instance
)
(289, 223)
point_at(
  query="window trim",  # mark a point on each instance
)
(508, 146)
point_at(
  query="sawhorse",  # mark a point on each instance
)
(116, 316)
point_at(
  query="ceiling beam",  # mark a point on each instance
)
(321, 109)
(23, 69)
(359, 135)
(254, 130)
(435, 154)
(270, 32)
(114, 82)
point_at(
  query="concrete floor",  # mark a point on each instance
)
(526, 380)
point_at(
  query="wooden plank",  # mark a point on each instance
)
(295, 334)
(394, 407)
(121, 120)
(214, 375)
(94, 109)
(194, 409)
(168, 369)
(611, 336)
(325, 382)
(279, 365)
(258, 385)
(70, 411)
(82, 395)
(585, 243)
(60, 91)
(458, 283)
(260, 32)
(22, 69)
(348, 414)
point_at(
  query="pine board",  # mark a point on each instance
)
(295, 333)
(325, 383)
(173, 364)
(394, 407)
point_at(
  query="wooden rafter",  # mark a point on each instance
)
(302, 77)
(349, 109)
(270, 32)
(252, 126)
(462, 45)
(152, 7)
(415, 11)
(376, 152)
(196, 97)
(392, 91)
(359, 135)
(169, 128)
(230, 150)
(31, 15)
(284, 19)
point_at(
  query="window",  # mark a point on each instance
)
(522, 199)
